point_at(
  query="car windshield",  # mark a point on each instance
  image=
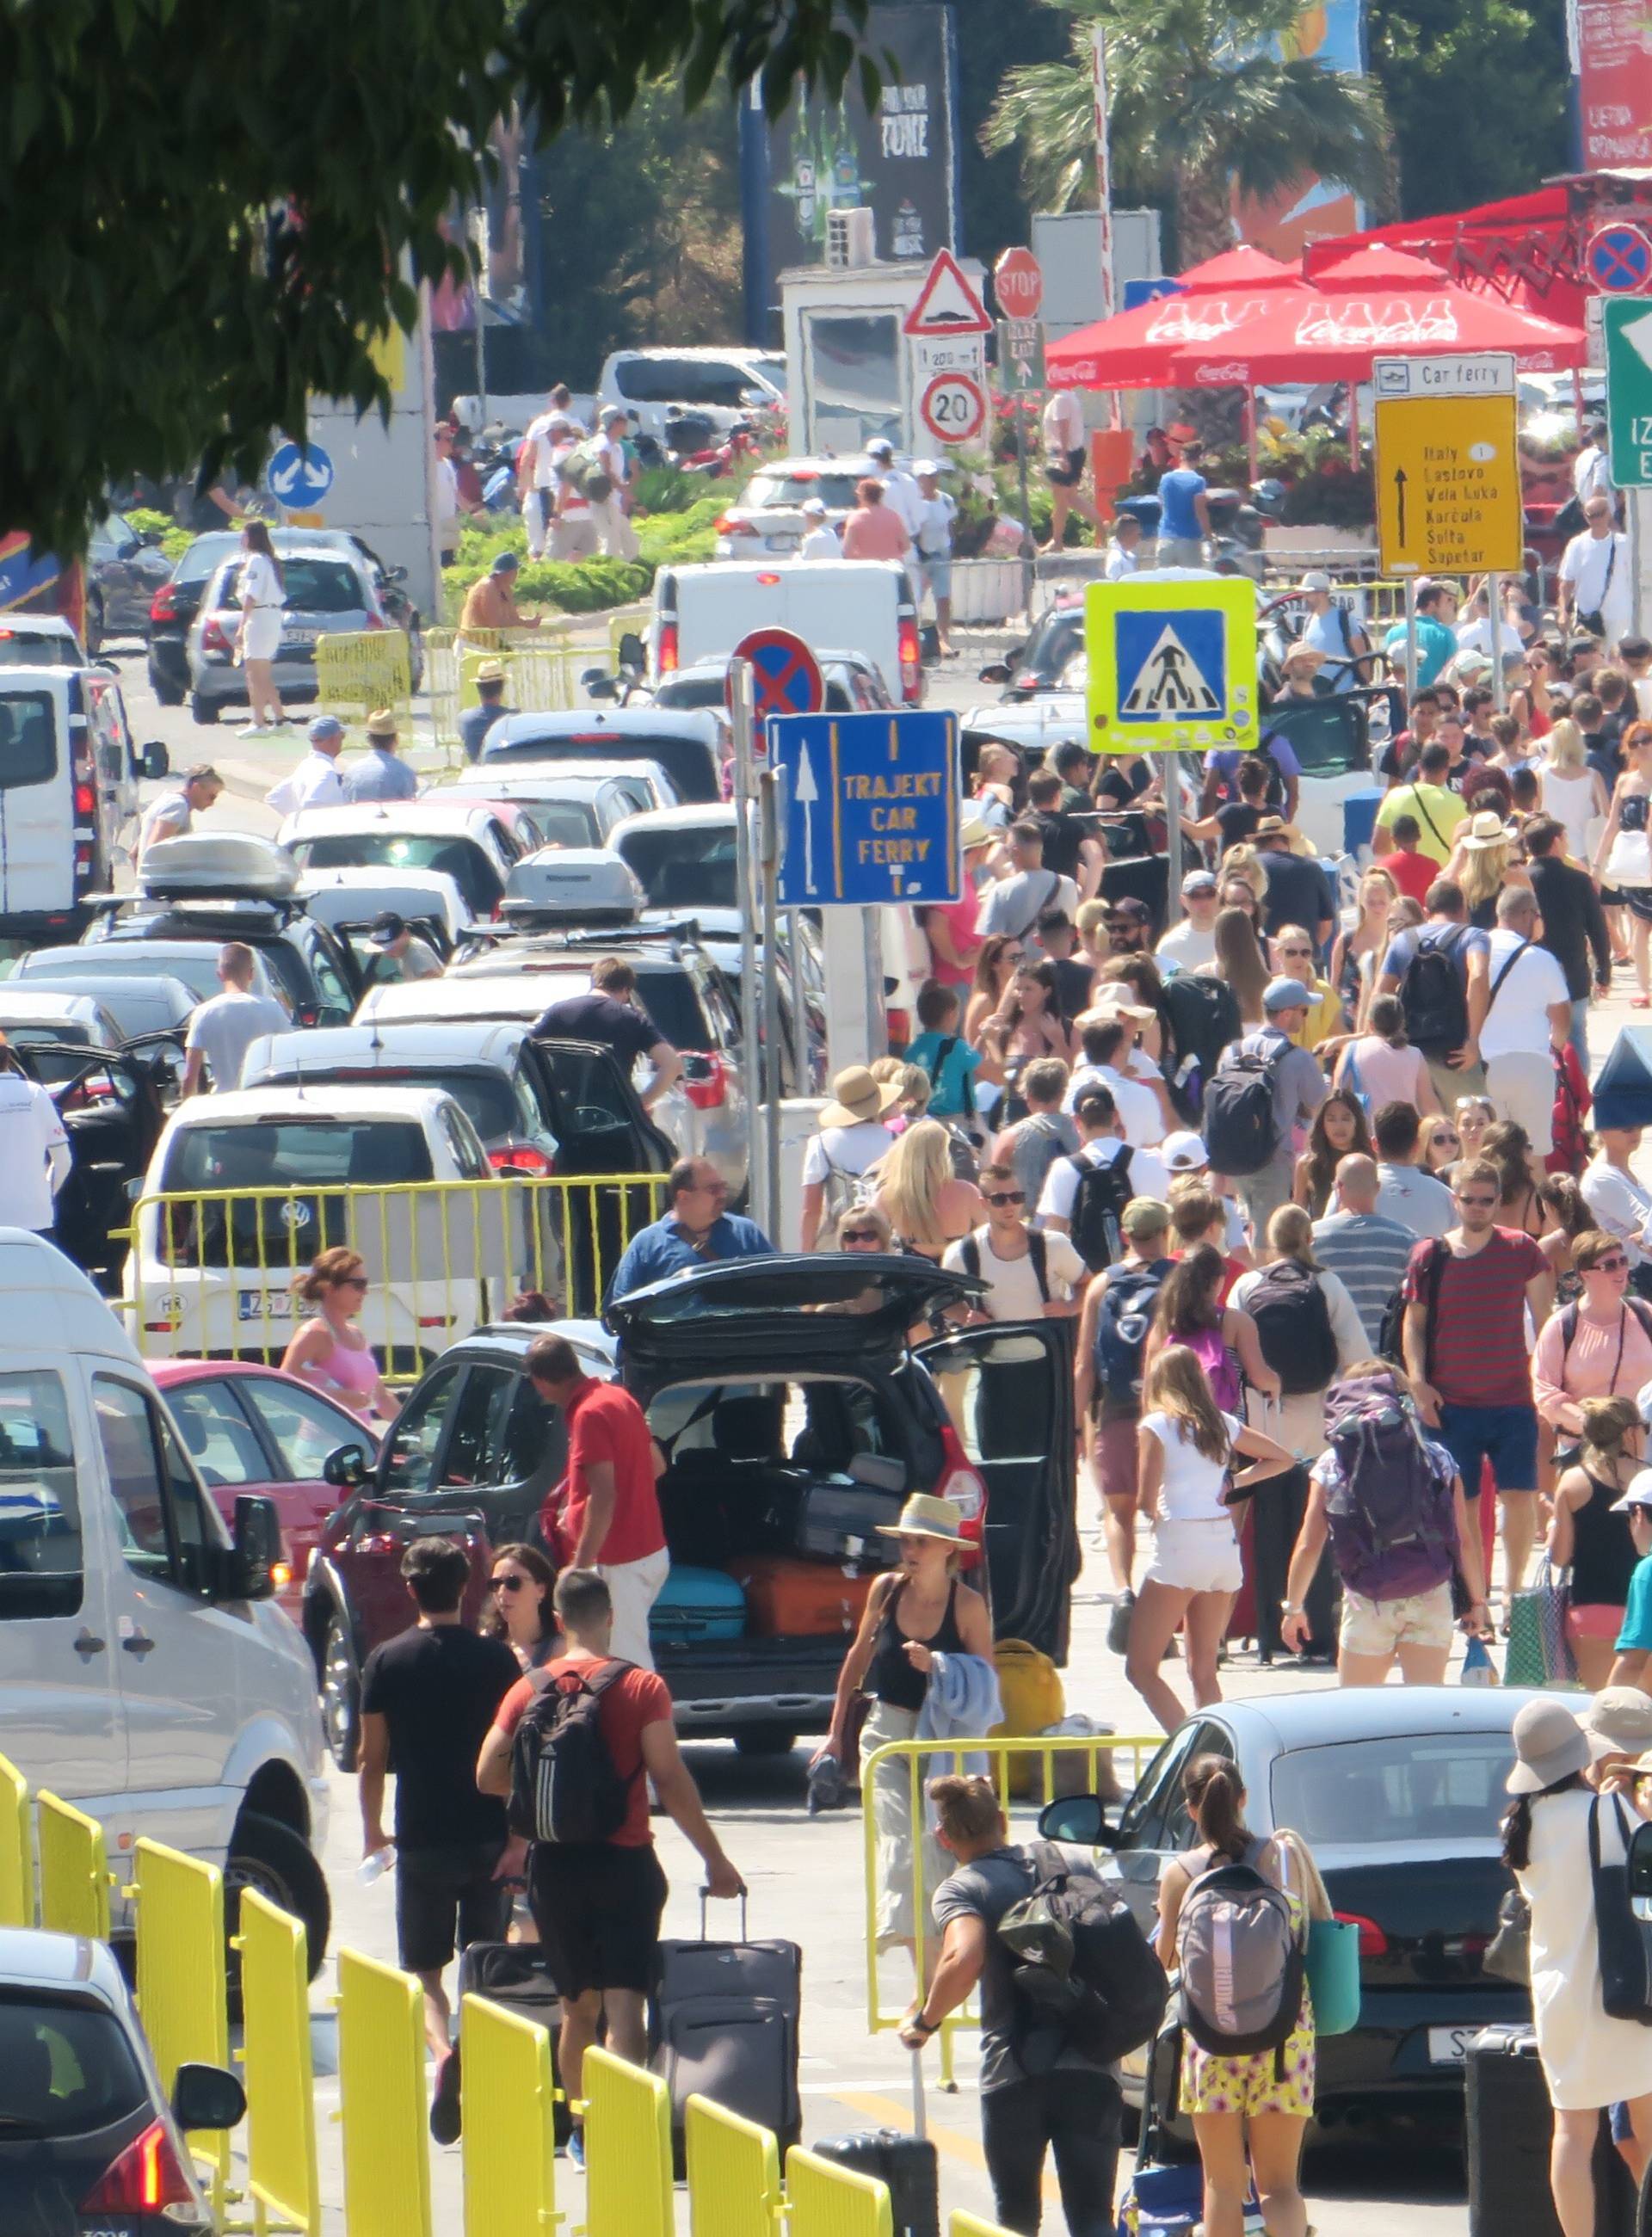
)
(835, 491)
(198, 973)
(318, 1152)
(21, 647)
(566, 822)
(461, 858)
(312, 587)
(486, 1098)
(1409, 1786)
(686, 760)
(69, 2069)
(28, 738)
(693, 867)
(56, 1053)
(694, 691)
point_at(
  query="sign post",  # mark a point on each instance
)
(739, 690)
(769, 829)
(1448, 465)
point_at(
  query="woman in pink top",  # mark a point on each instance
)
(1381, 1066)
(872, 530)
(330, 1351)
(1611, 1352)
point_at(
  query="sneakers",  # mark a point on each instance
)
(256, 730)
(1118, 1622)
(576, 2149)
(444, 2104)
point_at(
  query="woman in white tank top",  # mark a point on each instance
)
(1572, 792)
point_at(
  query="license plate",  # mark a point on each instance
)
(1449, 2046)
(298, 633)
(266, 1305)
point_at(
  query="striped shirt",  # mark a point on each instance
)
(1369, 1253)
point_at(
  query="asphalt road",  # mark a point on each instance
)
(806, 1876)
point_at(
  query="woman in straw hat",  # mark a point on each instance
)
(919, 1609)
(1589, 2062)
(1484, 862)
(851, 1141)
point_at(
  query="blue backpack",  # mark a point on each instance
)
(1121, 1328)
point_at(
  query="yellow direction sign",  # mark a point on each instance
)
(1448, 464)
(1173, 664)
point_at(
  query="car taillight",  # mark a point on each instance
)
(146, 2178)
(377, 1542)
(163, 606)
(214, 638)
(85, 800)
(377, 622)
(899, 1025)
(704, 1081)
(1373, 1942)
(522, 1158)
(1025, 682)
(911, 662)
(766, 580)
(307, 1015)
(668, 641)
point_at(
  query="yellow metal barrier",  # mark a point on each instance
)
(381, 2083)
(960, 2224)
(75, 1877)
(628, 2150)
(179, 1906)
(364, 670)
(509, 2139)
(733, 2173)
(281, 2176)
(211, 1272)
(1079, 1765)
(827, 2200)
(17, 1849)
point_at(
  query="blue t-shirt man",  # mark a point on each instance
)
(1178, 515)
(1435, 644)
(952, 1092)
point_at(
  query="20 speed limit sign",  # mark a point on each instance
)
(954, 407)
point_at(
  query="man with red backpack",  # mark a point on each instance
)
(569, 1746)
(1391, 1501)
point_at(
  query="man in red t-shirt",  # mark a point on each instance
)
(597, 1904)
(604, 1513)
(1413, 872)
(1466, 1297)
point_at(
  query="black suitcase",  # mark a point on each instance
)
(513, 1974)
(1510, 2124)
(907, 2164)
(724, 2021)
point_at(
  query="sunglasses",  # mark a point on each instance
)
(861, 1235)
(506, 1584)
(1617, 1264)
(1008, 1196)
(1477, 1203)
(353, 1282)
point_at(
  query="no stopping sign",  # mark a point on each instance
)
(954, 407)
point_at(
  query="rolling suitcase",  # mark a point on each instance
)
(696, 1604)
(724, 2021)
(907, 2164)
(1509, 2129)
(786, 1597)
(513, 1974)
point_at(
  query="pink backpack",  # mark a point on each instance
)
(1221, 1369)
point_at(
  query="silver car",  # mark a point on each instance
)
(328, 590)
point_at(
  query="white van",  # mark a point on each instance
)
(862, 605)
(721, 384)
(69, 777)
(146, 1674)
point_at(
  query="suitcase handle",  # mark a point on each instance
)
(705, 1897)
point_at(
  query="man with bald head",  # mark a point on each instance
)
(1353, 1240)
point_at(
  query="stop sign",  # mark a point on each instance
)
(1019, 283)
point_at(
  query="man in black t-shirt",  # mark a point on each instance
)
(427, 1704)
(1299, 891)
(1070, 848)
(611, 1015)
(1237, 820)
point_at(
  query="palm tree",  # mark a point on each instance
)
(1202, 97)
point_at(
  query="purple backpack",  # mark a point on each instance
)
(1221, 1369)
(1388, 1494)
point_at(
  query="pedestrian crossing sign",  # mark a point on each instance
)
(1171, 665)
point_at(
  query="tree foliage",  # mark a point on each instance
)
(1477, 93)
(211, 212)
(1199, 99)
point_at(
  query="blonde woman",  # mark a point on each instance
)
(1247, 864)
(1623, 858)
(1572, 793)
(1483, 861)
(917, 1192)
(1356, 956)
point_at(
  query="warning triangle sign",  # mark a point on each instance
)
(1169, 682)
(946, 304)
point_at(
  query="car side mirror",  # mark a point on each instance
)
(346, 1467)
(153, 761)
(395, 574)
(995, 671)
(1081, 1819)
(207, 2097)
(599, 684)
(256, 1555)
(632, 652)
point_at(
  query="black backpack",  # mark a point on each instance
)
(564, 1785)
(1094, 1223)
(1241, 1130)
(1085, 1974)
(969, 1252)
(1121, 1326)
(1203, 1015)
(1293, 1327)
(1433, 992)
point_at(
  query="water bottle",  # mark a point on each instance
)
(375, 1866)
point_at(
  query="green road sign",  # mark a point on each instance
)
(1628, 389)
(1020, 354)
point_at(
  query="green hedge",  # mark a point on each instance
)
(174, 541)
(589, 586)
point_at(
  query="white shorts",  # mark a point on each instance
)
(260, 633)
(634, 1587)
(1380, 1626)
(1196, 1557)
(1522, 1086)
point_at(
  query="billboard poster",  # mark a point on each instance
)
(1614, 55)
(897, 159)
(1332, 32)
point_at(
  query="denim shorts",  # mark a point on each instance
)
(1505, 1436)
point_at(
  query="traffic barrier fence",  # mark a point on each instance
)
(960, 2224)
(358, 671)
(827, 2200)
(628, 2150)
(75, 1876)
(1040, 1768)
(733, 2173)
(543, 667)
(211, 1272)
(382, 2087)
(17, 1849)
(178, 1905)
(509, 2137)
(282, 2179)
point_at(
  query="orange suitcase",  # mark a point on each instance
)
(793, 1599)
